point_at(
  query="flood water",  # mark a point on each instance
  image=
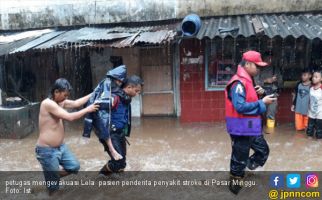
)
(165, 144)
(171, 150)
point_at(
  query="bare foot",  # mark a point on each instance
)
(116, 155)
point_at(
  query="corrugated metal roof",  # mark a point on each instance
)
(98, 34)
(127, 42)
(156, 37)
(128, 35)
(308, 25)
(272, 25)
(12, 37)
(220, 27)
(38, 41)
(85, 34)
(6, 48)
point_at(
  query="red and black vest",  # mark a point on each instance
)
(238, 123)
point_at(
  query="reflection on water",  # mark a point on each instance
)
(166, 144)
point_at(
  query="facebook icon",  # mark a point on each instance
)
(277, 180)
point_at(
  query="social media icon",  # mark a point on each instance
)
(293, 180)
(312, 181)
(277, 180)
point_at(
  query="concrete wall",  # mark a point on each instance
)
(26, 14)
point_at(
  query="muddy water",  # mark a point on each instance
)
(159, 144)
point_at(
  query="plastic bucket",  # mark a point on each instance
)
(190, 25)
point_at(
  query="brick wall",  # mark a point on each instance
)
(284, 113)
(199, 105)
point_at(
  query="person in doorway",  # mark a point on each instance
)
(301, 100)
(121, 123)
(53, 154)
(270, 79)
(243, 119)
(315, 107)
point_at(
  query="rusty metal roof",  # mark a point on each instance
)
(126, 36)
(83, 34)
(157, 37)
(271, 25)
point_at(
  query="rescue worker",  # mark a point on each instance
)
(243, 119)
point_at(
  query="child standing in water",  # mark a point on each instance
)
(315, 108)
(301, 100)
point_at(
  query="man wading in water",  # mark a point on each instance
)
(243, 119)
(53, 154)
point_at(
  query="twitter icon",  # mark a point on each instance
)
(293, 180)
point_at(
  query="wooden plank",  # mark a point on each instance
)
(158, 104)
(157, 78)
(155, 56)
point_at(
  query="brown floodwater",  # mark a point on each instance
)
(165, 144)
(173, 150)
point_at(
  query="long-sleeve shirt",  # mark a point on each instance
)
(238, 96)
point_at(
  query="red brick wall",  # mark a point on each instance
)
(198, 105)
(284, 113)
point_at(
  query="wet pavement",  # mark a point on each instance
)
(165, 144)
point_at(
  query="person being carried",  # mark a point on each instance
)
(52, 153)
(315, 107)
(121, 123)
(301, 100)
(102, 95)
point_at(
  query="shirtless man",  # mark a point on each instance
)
(53, 154)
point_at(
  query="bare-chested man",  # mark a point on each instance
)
(54, 156)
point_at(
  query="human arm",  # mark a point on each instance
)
(54, 109)
(76, 103)
(295, 93)
(238, 98)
